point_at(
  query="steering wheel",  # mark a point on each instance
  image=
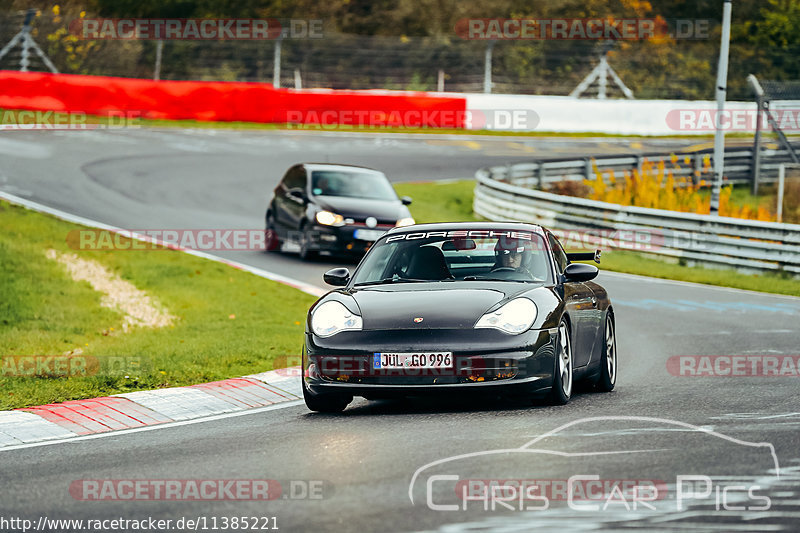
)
(503, 269)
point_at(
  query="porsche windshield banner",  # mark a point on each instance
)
(474, 234)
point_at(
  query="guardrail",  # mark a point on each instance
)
(747, 245)
(698, 166)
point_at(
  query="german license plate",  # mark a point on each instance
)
(368, 234)
(392, 361)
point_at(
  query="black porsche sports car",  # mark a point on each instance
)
(460, 307)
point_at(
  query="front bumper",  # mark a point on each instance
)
(487, 360)
(343, 240)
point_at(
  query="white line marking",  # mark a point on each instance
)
(257, 410)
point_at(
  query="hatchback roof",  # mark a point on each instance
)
(345, 168)
(451, 226)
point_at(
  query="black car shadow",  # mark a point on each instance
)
(451, 404)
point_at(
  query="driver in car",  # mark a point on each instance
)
(512, 255)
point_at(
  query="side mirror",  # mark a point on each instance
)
(338, 277)
(585, 256)
(580, 272)
(298, 194)
(406, 200)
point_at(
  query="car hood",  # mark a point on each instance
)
(362, 207)
(439, 305)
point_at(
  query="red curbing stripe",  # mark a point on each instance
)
(139, 413)
(243, 391)
(51, 416)
(98, 415)
(110, 413)
(68, 418)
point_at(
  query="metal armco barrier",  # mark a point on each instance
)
(738, 167)
(721, 242)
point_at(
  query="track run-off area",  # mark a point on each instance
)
(725, 450)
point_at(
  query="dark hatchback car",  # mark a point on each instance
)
(334, 209)
(479, 307)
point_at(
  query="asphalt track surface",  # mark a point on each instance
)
(377, 462)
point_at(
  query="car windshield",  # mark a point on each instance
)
(463, 255)
(354, 184)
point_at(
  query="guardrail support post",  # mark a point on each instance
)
(698, 168)
(756, 171)
(587, 173)
(540, 174)
(781, 178)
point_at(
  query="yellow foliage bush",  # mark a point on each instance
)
(657, 187)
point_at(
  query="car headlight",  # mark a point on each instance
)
(514, 317)
(408, 221)
(332, 317)
(326, 218)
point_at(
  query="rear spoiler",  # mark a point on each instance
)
(585, 256)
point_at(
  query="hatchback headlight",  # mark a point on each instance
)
(408, 221)
(326, 218)
(332, 317)
(514, 317)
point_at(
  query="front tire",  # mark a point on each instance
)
(306, 254)
(272, 242)
(608, 361)
(562, 373)
(326, 403)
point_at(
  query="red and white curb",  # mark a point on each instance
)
(147, 408)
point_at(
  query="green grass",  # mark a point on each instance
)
(439, 201)
(44, 312)
(646, 265)
(452, 201)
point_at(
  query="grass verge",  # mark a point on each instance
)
(230, 323)
(452, 201)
